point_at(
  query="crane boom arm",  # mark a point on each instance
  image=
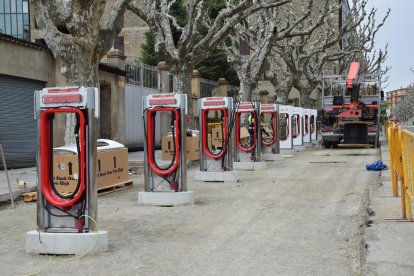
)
(352, 75)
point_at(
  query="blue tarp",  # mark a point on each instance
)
(376, 166)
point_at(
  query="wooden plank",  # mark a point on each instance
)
(355, 145)
(30, 197)
(116, 187)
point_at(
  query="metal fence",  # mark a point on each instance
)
(401, 148)
(141, 80)
(207, 88)
(142, 75)
(232, 91)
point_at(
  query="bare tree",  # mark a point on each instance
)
(303, 59)
(262, 34)
(183, 54)
(404, 110)
(79, 33)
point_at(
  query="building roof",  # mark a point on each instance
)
(22, 42)
(18, 41)
(111, 69)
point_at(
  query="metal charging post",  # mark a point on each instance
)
(216, 161)
(297, 127)
(270, 137)
(67, 221)
(306, 126)
(285, 127)
(313, 125)
(247, 154)
(165, 184)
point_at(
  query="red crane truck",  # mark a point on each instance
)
(350, 109)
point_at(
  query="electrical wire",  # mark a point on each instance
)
(230, 127)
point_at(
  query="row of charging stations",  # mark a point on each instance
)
(165, 184)
(297, 126)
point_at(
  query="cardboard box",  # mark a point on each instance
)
(244, 136)
(65, 172)
(111, 169)
(244, 132)
(217, 137)
(267, 131)
(191, 144)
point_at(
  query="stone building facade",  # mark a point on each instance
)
(395, 96)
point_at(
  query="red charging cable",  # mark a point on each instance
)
(151, 138)
(268, 144)
(252, 147)
(205, 134)
(46, 185)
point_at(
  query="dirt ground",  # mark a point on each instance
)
(301, 216)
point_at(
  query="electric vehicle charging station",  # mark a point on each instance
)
(165, 185)
(67, 222)
(306, 126)
(216, 165)
(297, 123)
(270, 145)
(285, 127)
(313, 126)
(248, 158)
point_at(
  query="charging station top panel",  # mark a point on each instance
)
(246, 107)
(174, 100)
(72, 96)
(216, 102)
(285, 109)
(268, 108)
(297, 110)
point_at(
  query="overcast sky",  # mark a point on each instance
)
(398, 31)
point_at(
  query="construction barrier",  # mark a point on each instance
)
(401, 148)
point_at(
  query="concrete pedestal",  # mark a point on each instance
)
(229, 176)
(66, 243)
(249, 166)
(166, 198)
(288, 152)
(272, 157)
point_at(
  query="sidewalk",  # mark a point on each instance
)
(389, 239)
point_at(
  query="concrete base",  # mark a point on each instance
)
(229, 176)
(272, 157)
(299, 147)
(166, 198)
(288, 151)
(66, 243)
(249, 166)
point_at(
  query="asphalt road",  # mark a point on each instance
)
(301, 216)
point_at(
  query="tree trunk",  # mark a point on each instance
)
(282, 97)
(305, 99)
(182, 85)
(245, 92)
(79, 71)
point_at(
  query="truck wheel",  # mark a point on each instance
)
(327, 144)
(334, 145)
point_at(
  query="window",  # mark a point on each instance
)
(14, 18)
(119, 43)
(244, 47)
